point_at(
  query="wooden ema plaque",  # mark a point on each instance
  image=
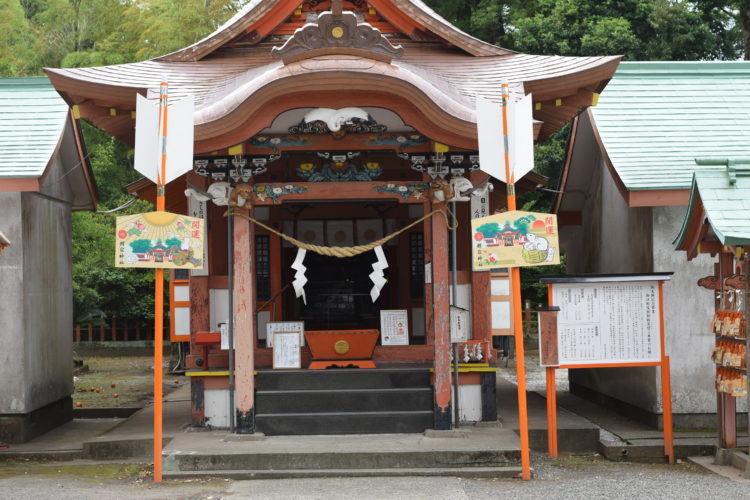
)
(548, 353)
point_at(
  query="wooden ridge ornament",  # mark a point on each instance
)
(337, 33)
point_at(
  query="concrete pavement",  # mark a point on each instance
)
(487, 449)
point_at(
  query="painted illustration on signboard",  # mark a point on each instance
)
(159, 239)
(514, 239)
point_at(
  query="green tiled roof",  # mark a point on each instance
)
(32, 120)
(727, 205)
(655, 118)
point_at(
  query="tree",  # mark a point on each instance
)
(168, 25)
(111, 161)
(99, 288)
(17, 42)
(728, 16)
(637, 29)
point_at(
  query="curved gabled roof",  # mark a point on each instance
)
(436, 79)
(242, 81)
(264, 15)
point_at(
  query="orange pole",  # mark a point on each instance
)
(159, 294)
(551, 398)
(523, 418)
(551, 412)
(666, 384)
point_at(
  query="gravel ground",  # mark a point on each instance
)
(564, 478)
(536, 376)
(131, 376)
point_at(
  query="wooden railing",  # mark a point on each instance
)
(115, 330)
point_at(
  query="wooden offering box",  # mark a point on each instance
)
(342, 348)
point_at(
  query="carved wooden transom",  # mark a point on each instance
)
(337, 34)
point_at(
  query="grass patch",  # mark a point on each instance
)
(92, 472)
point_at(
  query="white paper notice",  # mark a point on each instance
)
(394, 327)
(286, 351)
(377, 276)
(460, 324)
(224, 330)
(299, 277)
(274, 327)
(608, 322)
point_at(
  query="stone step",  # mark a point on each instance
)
(343, 400)
(344, 378)
(325, 462)
(373, 422)
(463, 472)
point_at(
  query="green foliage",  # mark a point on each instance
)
(111, 161)
(532, 289)
(169, 25)
(98, 286)
(637, 29)
(80, 33)
(17, 43)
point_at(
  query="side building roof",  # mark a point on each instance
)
(36, 129)
(719, 210)
(33, 120)
(653, 120)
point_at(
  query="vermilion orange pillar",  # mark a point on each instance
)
(244, 325)
(441, 322)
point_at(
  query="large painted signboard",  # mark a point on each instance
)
(159, 240)
(514, 239)
(607, 322)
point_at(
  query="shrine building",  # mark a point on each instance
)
(338, 124)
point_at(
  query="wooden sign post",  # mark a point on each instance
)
(605, 321)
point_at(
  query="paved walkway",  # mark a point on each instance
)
(579, 425)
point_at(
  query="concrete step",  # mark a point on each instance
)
(345, 378)
(652, 450)
(463, 472)
(120, 447)
(373, 422)
(343, 400)
(324, 462)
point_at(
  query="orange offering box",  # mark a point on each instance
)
(342, 348)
